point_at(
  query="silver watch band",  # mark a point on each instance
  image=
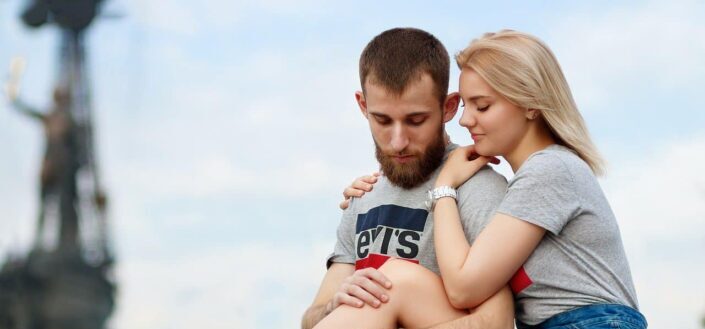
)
(440, 192)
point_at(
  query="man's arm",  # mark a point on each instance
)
(321, 304)
(495, 313)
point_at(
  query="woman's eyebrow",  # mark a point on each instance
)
(474, 98)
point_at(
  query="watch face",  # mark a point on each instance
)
(429, 202)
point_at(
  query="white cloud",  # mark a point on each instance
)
(249, 286)
(661, 194)
(659, 201)
(188, 18)
(657, 44)
(218, 175)
(165, 16)
(301, 135)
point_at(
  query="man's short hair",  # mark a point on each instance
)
(396, 57)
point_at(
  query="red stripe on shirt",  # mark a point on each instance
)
(376, 261)
(520, 281)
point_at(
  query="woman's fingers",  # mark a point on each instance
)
(358, 188)
(345, 204)
(363, 184)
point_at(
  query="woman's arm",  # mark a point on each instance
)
(471, 275)
(497, 312)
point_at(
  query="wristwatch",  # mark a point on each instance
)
(440, 192)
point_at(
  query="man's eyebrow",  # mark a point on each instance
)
(377, 114)
(412, 114)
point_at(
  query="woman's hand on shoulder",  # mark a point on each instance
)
(462, 164)
(358, 188)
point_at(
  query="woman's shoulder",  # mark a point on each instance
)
(555, 160)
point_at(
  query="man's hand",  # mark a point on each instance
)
(366, 286)
(343, 285)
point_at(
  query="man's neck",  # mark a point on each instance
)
(446, 138)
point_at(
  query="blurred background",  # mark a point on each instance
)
(226, 130)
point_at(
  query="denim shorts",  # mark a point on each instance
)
(598, 316)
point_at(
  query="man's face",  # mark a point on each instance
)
(407, 130)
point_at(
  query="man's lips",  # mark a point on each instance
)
(402, 158)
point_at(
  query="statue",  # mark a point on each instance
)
(66, 284)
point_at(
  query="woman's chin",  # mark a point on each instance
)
(484, 150)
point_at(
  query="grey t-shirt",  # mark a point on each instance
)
(394, 222)
(581, 259)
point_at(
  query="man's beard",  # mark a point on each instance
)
(414, 173)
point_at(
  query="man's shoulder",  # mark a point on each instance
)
(485, 178)
(384, 192)
(478, 199)
(486, 185)
(380, 189)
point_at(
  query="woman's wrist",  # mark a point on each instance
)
(444, 182)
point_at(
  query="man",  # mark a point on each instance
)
(404, 76)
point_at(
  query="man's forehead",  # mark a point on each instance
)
(420, 90)
(417, 80)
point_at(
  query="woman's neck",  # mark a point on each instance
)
(536, 139)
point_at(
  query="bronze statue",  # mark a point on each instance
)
(66, 284)
(59, 168)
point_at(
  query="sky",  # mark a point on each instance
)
(226, 131)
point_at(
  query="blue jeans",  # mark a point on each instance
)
(598, 316)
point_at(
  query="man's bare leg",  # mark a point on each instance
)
(417, 300)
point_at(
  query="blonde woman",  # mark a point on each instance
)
(554, 237)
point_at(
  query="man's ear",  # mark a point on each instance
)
(361, 102)
(450, 106)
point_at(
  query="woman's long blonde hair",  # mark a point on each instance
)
(523, 69)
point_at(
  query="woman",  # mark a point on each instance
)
(554, 237)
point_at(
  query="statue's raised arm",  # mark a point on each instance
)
(12, 90)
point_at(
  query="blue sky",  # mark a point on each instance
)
(227, 130)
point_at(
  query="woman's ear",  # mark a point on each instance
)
(532, 114)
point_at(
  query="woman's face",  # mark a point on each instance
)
(496, 125)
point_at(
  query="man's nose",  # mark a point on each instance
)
(400, 139)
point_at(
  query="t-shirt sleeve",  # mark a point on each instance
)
(478, 199)
(344, 250)
(543, 193)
